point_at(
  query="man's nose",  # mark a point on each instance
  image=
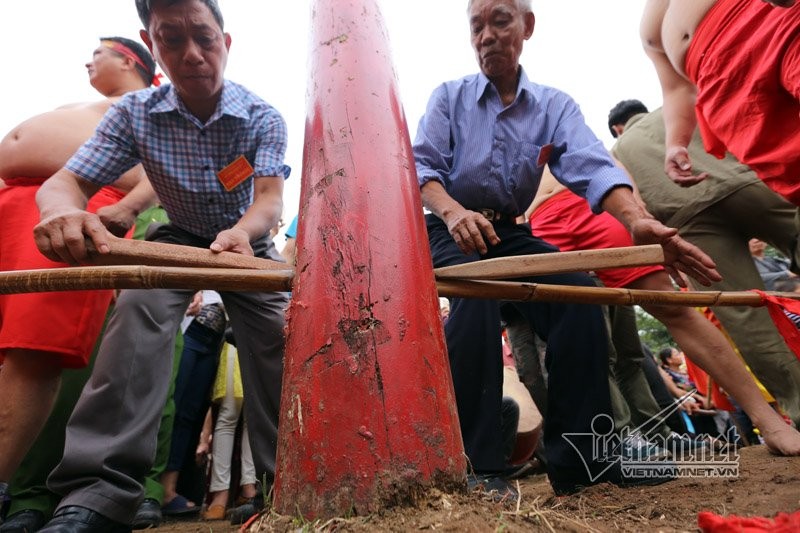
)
(193, 53)
(487, 35)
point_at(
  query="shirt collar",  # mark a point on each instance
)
(229, 103)
(634, 119)
(484, 83)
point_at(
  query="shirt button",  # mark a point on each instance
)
(207, 167)
(202, 133)
(211, 200)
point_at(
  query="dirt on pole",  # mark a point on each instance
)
(368, 416)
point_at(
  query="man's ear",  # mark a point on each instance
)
(227, 37)
(146, 39)
(129, 63)
(530, 22)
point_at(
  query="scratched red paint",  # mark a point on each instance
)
(368, 414)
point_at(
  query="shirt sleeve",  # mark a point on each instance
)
(433, 151)
(110, 152)
(584, 165)
(271, 150)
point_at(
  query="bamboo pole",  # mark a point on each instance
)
(136, 252)
(539, 292)
(144, 277)
(554, 263)
(227, 279)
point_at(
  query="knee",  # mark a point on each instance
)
(146, 305)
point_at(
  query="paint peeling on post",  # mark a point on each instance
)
(365, 341)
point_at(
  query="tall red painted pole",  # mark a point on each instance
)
(368, 414)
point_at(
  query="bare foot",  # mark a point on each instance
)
(782, 440)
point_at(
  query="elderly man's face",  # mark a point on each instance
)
(498, 29)
(190, 46)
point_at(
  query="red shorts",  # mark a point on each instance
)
(745, 61)
(567, 221)
(64, 323)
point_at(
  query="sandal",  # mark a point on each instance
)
(179, 506)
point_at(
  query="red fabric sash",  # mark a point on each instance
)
(786, 327)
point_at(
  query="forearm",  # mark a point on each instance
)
(208, 427)
(679, 98)
(63, 192)
(636, 194)
(770, 277)
(141, 197)
(680, 120)
(289, 251)
(435, 198)
(259, 218)
(266, 209)
(621, 203)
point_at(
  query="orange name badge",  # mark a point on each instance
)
(235, 173)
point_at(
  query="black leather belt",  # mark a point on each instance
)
(495, 216)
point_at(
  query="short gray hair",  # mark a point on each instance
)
(523, 5)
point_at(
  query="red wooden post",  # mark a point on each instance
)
(368, 414)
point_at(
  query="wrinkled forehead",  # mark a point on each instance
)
(182, 13)
(484, 9)
(476, 6)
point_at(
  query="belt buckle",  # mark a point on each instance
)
(489, 214)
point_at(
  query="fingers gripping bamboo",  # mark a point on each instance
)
(136, 252)
(554, 263)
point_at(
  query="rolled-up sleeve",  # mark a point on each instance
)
(271, 151)
(585, 166)
(433, 151)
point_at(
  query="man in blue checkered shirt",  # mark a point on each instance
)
(214, 154)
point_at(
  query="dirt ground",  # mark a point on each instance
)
(766, 485)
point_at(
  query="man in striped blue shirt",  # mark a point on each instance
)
(480, 150)
(214, 154)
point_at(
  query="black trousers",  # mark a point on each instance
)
(576, 361)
